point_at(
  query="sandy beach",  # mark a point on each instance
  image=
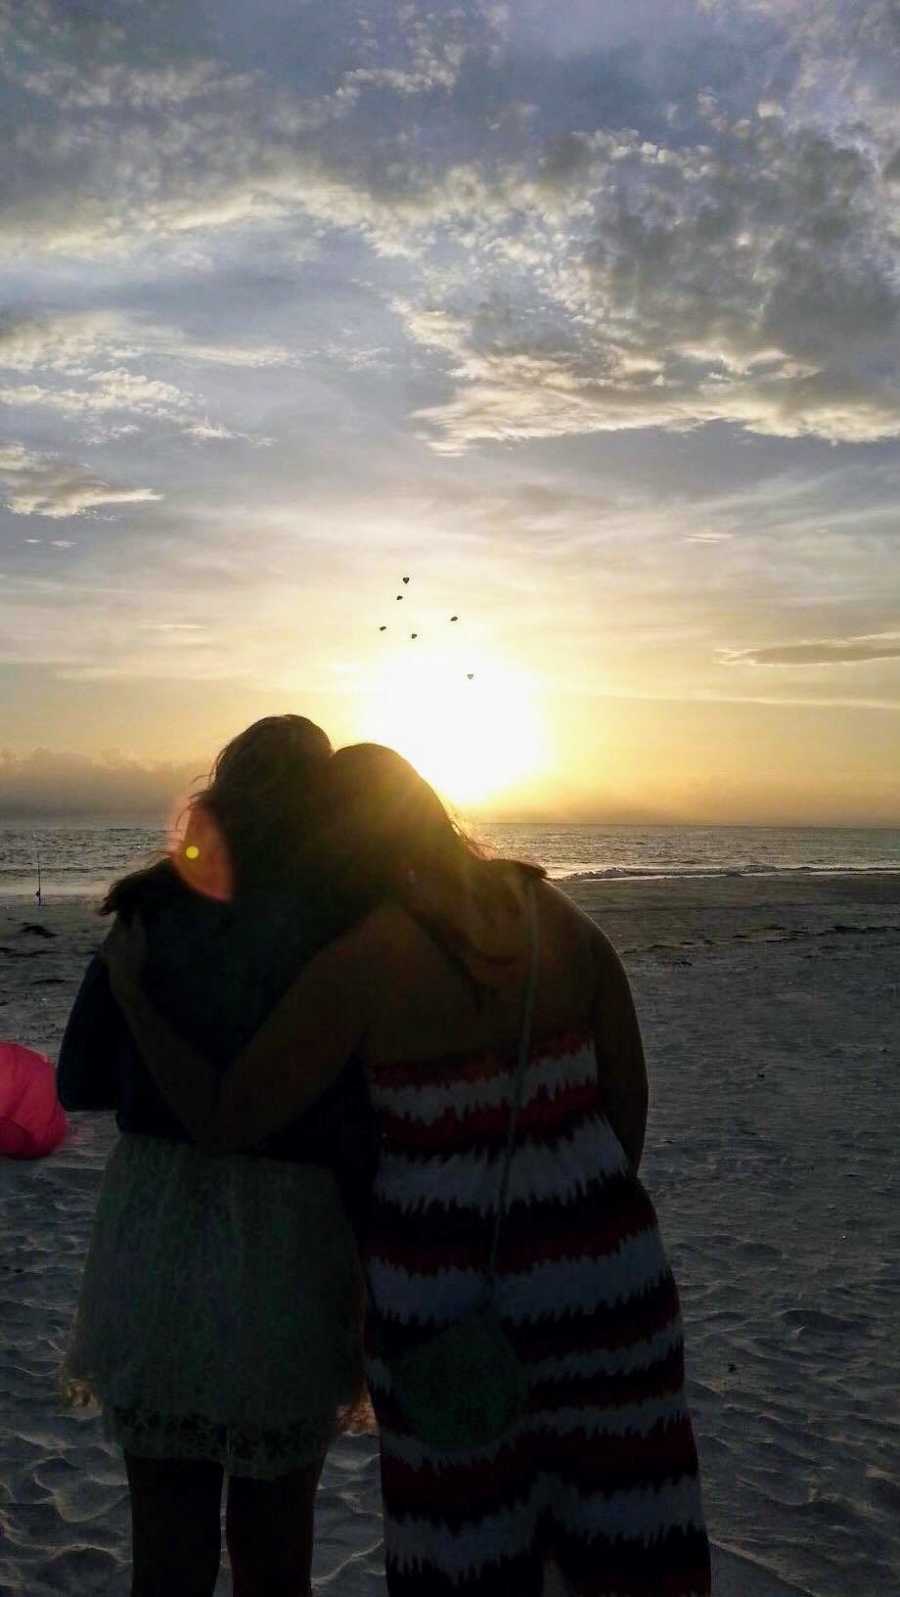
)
(771, 1015)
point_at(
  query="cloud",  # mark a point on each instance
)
(411, 50)
(827, 651)
(164, 341)
(54, 543)
(739, 267)
(748, 284)
(77, 344)
(213, 432)
(207, 430)
(62, 343)
(109, 185)
(113, 390)
(59, 783)
(516, 396)
(432, 65)
(43, 485)
(71, 341)
(103, 183)
(116, 84)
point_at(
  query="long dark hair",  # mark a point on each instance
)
(386, 834)
(345, 830)
(261, 791)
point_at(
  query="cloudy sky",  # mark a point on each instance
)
(582, 316)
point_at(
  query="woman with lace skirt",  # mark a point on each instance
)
(219, 1320)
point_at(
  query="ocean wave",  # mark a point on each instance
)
(613, 873)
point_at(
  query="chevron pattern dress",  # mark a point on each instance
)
(600, 1476)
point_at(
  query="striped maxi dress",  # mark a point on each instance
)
(600, 1475)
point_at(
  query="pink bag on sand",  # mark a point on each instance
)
(32, 1122)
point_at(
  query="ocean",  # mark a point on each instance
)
(81, 857)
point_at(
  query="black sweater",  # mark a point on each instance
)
(215, 972)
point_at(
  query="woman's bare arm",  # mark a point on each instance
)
(620, 1052)
(298, 1051)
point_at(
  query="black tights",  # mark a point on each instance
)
(176, 1529)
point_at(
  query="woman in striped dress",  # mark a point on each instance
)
(599, 1475)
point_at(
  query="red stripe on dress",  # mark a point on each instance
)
(418, 1223)
(481, 1065)
(609, 1463)
(620, 1326)
(448, 1490)
(444, 1488)
(587, 1232)
(660, 1379)
(586, 1235)
(460, 1129)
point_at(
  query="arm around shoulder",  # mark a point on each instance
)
(620, 1051)
(303, 1045)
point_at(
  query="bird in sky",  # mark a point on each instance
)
(470, 675)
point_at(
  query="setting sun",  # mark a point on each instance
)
(471, 737)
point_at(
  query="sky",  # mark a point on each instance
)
(582, 317)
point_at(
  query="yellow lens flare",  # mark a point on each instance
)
(471, 735)
(199, 853)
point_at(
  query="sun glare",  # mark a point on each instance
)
(470, 738)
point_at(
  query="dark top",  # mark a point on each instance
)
(214, 971)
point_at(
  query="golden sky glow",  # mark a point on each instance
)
(585, 318)
(475, 736)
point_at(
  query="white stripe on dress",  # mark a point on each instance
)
(645, 1512)
(602, 1361)
(413, 1541)
(630, 1419)
(425, 1102)
(581, 1284)
(642, 1512)
(469, 1180)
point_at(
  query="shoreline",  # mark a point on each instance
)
(793, 878)
(88, 893)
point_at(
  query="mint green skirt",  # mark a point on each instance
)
(220, 1313)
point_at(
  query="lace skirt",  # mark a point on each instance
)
(220, 1311)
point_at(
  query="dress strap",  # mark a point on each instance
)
(524, 1048)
